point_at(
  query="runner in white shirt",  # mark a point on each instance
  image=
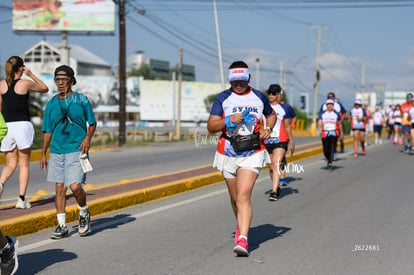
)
(390, 122)
(359, 120)
(397, 116)
(338, 107)
(330, 127)
(281, 139)
(378, 118)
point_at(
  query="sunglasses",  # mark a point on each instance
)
(64, 80)
(275, 93)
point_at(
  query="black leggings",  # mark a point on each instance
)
(329, 145)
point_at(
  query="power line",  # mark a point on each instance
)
(228, 5)
(182, 36)
(336, 42)
(168, 41)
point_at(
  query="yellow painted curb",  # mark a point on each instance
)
(30, 223)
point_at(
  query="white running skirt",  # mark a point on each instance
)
(231, 164)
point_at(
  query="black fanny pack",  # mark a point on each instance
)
(244, 143)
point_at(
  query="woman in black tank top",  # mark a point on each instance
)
(14, 102)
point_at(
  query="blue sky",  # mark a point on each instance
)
(376, 35)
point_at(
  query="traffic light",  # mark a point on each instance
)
(302, 102)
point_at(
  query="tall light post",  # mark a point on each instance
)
(218, 44)
(65, 49)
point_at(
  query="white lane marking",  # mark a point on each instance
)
(125, 220)
(147, 213)
(35, 245)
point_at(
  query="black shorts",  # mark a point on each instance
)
(377, 128)
(361, 130)
(270, 147)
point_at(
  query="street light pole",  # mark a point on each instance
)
(64, 49)
(218, 44)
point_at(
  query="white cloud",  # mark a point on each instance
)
(408, 60)
(334, 60)
(336, 67)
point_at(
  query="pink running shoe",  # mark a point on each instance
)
(237, 234)
(400, 142)
(363, 151)
(355, 154)
(241, 248)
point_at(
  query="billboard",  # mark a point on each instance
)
(159, 100)
(101, 90)
(64, 15)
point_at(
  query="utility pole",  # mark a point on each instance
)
(364, 100)
(317, 75)
(257, 74)
(315, 85)
(180, 78)
(174, 85)
(218, 44)
(122, 72)
(281, 74)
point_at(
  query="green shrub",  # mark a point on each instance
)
(38, 139)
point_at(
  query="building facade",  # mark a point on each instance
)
(43, 57)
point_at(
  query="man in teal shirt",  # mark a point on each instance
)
(68, 126)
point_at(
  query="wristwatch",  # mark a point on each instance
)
(268, 128)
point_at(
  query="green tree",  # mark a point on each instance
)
(35, 105)
(144, 71)
(208, 101)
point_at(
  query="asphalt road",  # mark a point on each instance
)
(131, 163)
(357, 219)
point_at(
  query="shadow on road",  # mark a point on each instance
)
(333, 168)
(33, 263)
(102, 224)
(284, 191)
(263, 233)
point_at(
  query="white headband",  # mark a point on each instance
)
(238, 74)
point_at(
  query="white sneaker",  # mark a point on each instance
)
(22, 204)
(380, 141)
